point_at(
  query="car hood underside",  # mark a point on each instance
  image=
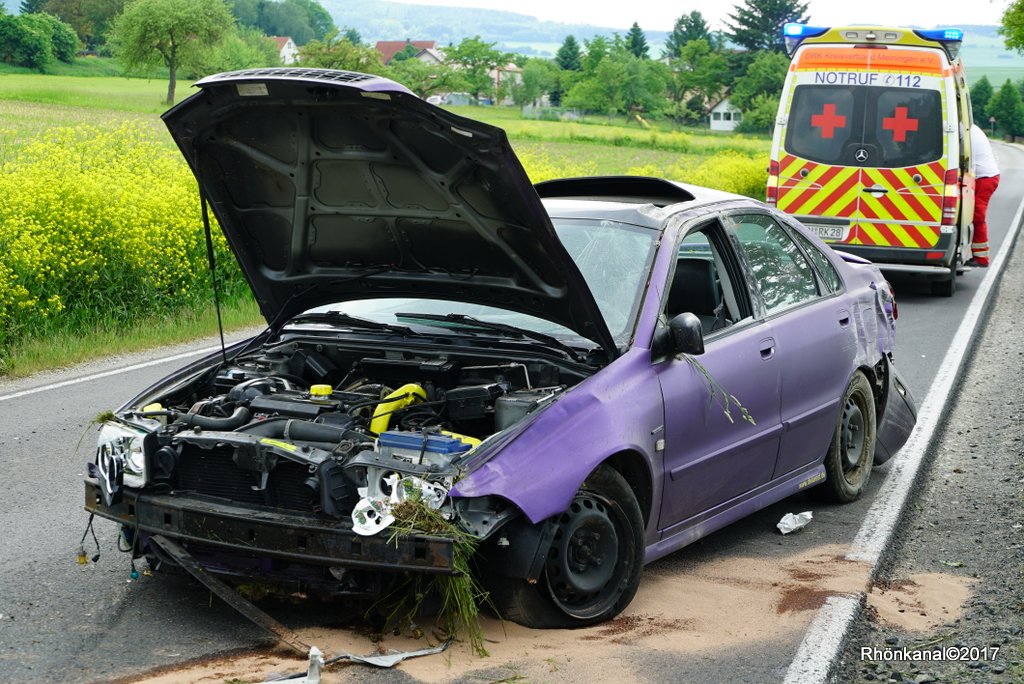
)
(332, 186)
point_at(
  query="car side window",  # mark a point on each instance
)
(783, 274)
(701, 285)
(829, 275)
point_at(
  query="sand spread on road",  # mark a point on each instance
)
(922, 602)
(698, 608)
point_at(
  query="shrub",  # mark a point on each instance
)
(62, 37)
(24, 42)
(100, 226)
(728, 170)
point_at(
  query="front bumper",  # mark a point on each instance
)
(247, 532)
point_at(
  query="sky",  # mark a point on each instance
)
(660, 15)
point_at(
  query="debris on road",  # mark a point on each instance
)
(793, 522)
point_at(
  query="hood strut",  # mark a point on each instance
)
(212, 261)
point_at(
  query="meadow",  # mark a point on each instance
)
(101, 241)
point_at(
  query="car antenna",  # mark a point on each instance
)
(213, 270)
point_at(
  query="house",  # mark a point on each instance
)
(725, 117)
(287, 49)
(426, 50)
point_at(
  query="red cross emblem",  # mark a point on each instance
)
(899, 124)
(828, 121)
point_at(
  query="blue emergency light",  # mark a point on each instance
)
(795, 33)
(950, 38)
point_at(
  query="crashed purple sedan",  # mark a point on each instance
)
(584, 375)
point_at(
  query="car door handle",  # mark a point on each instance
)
(844, 319)
(767, 348)
(877, 188)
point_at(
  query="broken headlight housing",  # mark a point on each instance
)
(120, 459)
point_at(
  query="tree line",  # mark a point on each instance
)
(616, 74)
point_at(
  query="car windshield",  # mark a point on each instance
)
(613, 257)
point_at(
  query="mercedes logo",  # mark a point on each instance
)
(861, 155)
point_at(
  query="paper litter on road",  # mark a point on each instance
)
(792, 523)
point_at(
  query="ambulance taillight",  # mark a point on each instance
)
(772, 190)
(950, 197)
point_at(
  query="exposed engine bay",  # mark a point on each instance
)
(319, 429)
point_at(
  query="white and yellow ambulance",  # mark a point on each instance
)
(872, 147)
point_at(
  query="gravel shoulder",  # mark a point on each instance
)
(952, 585)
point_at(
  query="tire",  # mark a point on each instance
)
(593, 567)
(851, 454)
(945, 288)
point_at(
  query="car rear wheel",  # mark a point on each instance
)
(592, 569)
(852, 451)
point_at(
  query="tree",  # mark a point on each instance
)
(91, 19)
(424, 78)
(759, 117)
(539, 76)
(697, 75)
(476, 60)
(352, 36)
(621, 83)
(766, 75)
(981, 94)
(318, 18)
(174, 33)
(1008, 109)
(636, 41)
(408, 52)
(63, 40)
(336, 52)
(1012, 27)
(688, 28)
(244, 48)
(757, 25)
(598, 48)
(568, 57)
(23, 43)
(29, 6)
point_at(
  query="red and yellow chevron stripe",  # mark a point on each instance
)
(914, 196)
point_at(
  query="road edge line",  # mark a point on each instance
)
(108, 373)
(816, 655)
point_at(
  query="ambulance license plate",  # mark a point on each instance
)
(827, 232)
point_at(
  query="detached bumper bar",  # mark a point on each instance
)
(259, 533)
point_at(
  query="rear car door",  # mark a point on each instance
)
(814, 331)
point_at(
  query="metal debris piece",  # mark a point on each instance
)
(393, 657)
(792, 523)
(230, 596)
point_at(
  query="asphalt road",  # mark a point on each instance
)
(61, 621)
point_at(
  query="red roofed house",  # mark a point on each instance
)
(426, 50)
(287, 49)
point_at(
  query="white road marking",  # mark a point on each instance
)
(107, 374)
(823, 640)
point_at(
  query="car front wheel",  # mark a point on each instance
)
(592, 569)
(852, 451)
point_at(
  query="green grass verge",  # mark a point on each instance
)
(66, 347)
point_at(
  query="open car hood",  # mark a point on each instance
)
(334, 186)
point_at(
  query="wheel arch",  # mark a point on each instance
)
(636, 471)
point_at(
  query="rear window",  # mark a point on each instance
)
(891, 127)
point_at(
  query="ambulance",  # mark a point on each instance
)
(871, 148)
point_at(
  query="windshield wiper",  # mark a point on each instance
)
(464, 321)
(340, 318)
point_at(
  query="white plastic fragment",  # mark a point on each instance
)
(792, 523)
(316, 663)
(373, 512)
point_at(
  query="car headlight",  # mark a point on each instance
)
(120, 448)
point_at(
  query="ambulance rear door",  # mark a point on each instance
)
(865, 151)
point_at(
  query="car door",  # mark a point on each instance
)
(712, 454)
(814, 331)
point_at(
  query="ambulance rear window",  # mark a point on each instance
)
(865, 125)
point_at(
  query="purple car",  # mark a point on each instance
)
(584, 375)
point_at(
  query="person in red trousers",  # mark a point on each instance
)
(986, 180)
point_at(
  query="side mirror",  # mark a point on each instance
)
(683, 336)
